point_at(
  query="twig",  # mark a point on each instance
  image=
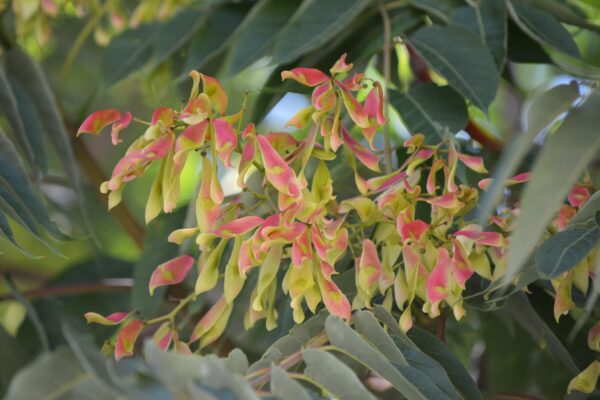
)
(108, 285)
(387, 43)
(96, 176)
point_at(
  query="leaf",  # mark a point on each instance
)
(564, 250)
(575, 143)
(257, 33)
(294, 341)
(544, 108)
(12, 315)
(469, 68)
(128, 52)
(435, 349)
(588, 210)
(522, 48)
(175, 32)
(314, 24)
(237, 362)
(32, 124)
(521, 310)
(213, 35)
(392, 345)
(31, 77)
(435, 111)
(576, 66)
(437, 8)
(542, 27)
(284, 387)
(56, 375)
(156, 250)
(342, 336)
(366, 324)
(487, 19)
(334, 375)
(9, 107)
(565, 13)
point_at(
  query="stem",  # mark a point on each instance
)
(78, 44)
(171, 315)
(121, 212)
(387, 43)
(107, 285)
(31, 312)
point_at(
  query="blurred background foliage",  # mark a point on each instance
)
(62, 253)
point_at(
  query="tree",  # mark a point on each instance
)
(351, 246)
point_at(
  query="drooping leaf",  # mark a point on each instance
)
(175, 32)
(298, 337)
(32, 124)
(255, 35)
(57, 375)
(487, 19)
(564, 250)
(430, 109)
(314, 24)
(542, 27)
(544, 108)
(587, 211)
(128, 52)
(440, 9)
(33, 80)
(575, 143)
(213, 35)
(394, 347)
(437, 350)
(334, 375)
(10, 109)
(284, 387)
(519, 308)
(342, 336)
(469, 68)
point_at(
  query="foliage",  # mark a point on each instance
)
(371, 199)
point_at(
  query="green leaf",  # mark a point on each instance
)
(366, 324)
(522, 48)
(521, 310)
(542, 27)
(574, 144)
(399, 352)
(237, 362)
(33, 80)
(128, 52)
(469, 68)
(576, 66)
(294, 341)
(175, 32)
(487, 19)
(544, 108)
(9, 107)
(12, 315)
(32, 124)
(440, 9)
(213, 34)
(564, 250)
(314, 24)
(334, 375)
(434, 348)
(436, 111)
(565, 13)
(587, 211)
(284, 387)
(257, 33)
(156, 250)
(57, 375)
(342, 336)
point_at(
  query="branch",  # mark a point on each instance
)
(106, 285)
